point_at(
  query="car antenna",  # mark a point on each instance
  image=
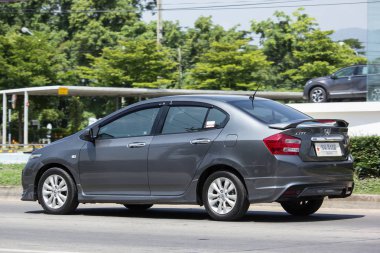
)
(252, 97)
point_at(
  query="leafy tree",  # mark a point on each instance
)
(27, 61)
(199, 39)
(281, 36)
(354, 44)
(230, 66)
(134, 63)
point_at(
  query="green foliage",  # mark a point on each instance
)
(229, 66)
(133, 63)
(10, 174)
(366, 153)
(354, 43)
(367, 186)
(28, 61)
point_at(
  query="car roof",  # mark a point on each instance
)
(221, 98)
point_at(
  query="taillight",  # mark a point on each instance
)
(282, 144)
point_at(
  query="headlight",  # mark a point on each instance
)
(309, 82)
(33, 156)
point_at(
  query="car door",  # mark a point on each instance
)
(116, 163)
(186, 135)
(359, 81)
(344, 83)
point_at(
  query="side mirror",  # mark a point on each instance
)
(333, 76)
(87, 135)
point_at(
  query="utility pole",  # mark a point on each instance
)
(159, 21)
(180, 68)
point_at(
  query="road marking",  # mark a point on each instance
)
(34, 251)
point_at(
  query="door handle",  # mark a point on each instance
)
(136, 145)
(200, 141)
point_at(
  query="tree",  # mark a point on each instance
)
(230, 66)
(355, 44)
(134, 63)
(199, 39)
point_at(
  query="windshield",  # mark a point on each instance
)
(269, 112)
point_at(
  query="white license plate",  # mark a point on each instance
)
(328, 149)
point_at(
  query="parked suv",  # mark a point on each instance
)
(346, 83)
(223, 152)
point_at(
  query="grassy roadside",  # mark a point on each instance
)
(10, 175)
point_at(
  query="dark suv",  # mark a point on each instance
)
(223, 152)
(346, 83)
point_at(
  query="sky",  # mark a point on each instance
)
(329, 17)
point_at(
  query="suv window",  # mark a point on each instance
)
(345, 72)
(269, 112)
(182, 119)
(362, 70)
(137, 123)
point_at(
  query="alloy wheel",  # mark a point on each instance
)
(54, 191)
(222, 195)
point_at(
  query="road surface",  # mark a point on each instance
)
(112, 228)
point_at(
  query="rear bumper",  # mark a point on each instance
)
(334, 190)
(294, 179)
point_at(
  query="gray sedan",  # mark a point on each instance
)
(223, 152)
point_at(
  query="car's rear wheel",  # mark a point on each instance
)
(138, 207)
(318, 95)
(224, 196)
(57, 192)
(302, 207)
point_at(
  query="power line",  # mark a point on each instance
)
(210, 8)
(254, 6)
(221, 2)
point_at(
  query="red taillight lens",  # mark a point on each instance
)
(282, 144)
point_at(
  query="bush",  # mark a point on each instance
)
(366, 152)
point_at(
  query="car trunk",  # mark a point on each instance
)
(321, 140)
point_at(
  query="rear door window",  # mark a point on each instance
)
(186, 119)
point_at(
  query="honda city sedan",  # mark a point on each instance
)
(220, 152)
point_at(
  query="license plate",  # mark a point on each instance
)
(328, 149)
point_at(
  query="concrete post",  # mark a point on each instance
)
(26, 117)
(4, 119)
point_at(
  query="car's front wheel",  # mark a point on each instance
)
(318, 95)
(302, 207)
(224, 196)
(57, 192)
(138, 207)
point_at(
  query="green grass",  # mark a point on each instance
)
(367, 186)
(10, 174)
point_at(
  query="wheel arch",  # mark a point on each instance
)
(214, 168)
(45, 168)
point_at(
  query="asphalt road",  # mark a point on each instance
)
(112, 228)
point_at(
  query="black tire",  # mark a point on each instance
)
(138, 207)
(318, 95)
(302, 207)
(238, 210)
(71, 201)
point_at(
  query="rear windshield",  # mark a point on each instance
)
(269, 112)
